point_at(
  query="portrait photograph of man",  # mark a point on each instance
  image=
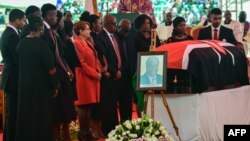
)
(151, 71)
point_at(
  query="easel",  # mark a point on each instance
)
(151, 92)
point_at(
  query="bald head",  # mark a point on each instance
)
(169, 17)
(109, 23)
(124, 27)
(124, 22)
(227, 15)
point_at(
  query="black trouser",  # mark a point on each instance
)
(9, 132)
(124, 97)
(108, 106)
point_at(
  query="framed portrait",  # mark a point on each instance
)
(151, 71)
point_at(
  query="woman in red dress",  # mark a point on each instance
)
(87, 78)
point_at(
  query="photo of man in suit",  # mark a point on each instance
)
(151, 78)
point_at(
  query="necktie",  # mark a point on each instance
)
(215, 34)
(58, 58)
(117, 52)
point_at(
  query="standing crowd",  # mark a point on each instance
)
(56, 70)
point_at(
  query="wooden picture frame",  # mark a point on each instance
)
(151, 71)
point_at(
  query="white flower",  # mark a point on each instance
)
(157, 132)
(139, 119)
(134, 122)
(162, 128)
(137, 127)
(128, 124)
(150, 130)
(150, 120)
(124, 133)
(133, 135)
(161, 137)
(111, 134)
(147, 135)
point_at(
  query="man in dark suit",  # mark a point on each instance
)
(218, 32)
(49, 15)
(128, 57)
(113, 56)
(9, 41)
(151, 76)
(30, 10)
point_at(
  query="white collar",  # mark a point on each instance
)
(107, 31)
(218, 28)
(27, 21)
(14, 28)
(46, 24)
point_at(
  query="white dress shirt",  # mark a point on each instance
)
(236, 27)
(47, 25)
(109, 34)
(164, 32)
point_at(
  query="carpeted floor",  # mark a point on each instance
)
(1, 138)
(134, 115)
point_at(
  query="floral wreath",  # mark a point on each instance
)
(141, 129)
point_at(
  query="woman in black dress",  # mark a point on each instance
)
(95, 26)
(63, 105)
(179, 31)
(70, 54)
(143, 25)
(37, 85)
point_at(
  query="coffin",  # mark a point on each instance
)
(202, 65)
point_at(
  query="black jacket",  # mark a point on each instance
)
(8, 44)
(109, 53)
(128, 57)
(25, 31)
(224, 34)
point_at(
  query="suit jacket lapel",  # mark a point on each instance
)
(91, 47)
(11, 30)
(221, 33)
(209, 33)
(107, 38)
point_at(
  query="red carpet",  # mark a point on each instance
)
(134, 115)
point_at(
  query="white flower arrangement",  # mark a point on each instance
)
(74, 126)
(141, 129)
